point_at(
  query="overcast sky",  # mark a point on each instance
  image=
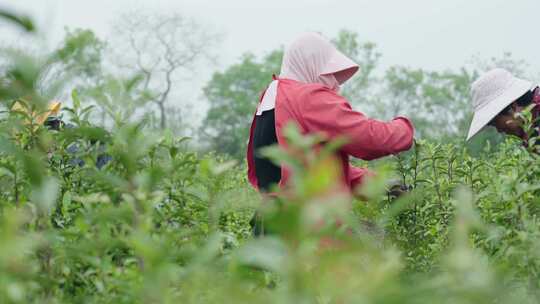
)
(420, 33)
(433, 34)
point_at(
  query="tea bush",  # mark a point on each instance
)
(128, 215)
(158, 223)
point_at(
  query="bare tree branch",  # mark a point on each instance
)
(160, 46)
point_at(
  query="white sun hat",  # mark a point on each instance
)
(491, 94)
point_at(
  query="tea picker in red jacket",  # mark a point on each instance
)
(307, 93)
(498, 98)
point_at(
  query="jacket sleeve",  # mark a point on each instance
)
(357, 175)
(327, 112)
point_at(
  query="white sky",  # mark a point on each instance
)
(420, 33)
(433, 34)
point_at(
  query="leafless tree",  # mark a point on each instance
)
(164, 49)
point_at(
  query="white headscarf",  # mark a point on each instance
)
(311, 59)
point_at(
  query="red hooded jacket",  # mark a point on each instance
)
(318, 109)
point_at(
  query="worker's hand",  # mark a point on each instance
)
(396, 189)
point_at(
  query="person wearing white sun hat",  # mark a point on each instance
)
(497, 96)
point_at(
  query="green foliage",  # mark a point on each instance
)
(232, 95)
(81, 53)
(365, 54)
(23, 22)
(426, 97)
(117, 99)
(159, 223)
(115, 231)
